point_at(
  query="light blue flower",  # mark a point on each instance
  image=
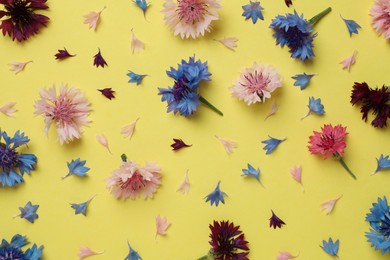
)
(77, 167)
(315, 106)
(352, 26)
(29, 212)
(133, 255)
(383, 163)
(253, 11)
(12, 164)
(81, 207)
(14, 250)
(331, 247)
(135, 78)
(216, 196)
(252, 172)
(271, 144)
(302, 80)
(141, 4)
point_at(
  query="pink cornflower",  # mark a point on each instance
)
(68, 110)
(256, 83)
(380, 13)
(330, 142)
(190, 17)
(130, 181)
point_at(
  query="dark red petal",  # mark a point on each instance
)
(2, 13)
(38, 4)
(360, 91)
(7, 27)
(63, 54)
(178, 144)
(107, 92)
(288, 2)
(99, 60)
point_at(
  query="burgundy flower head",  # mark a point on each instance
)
(178, 144)
(99, 60)
(375, 100)
(22, 21)
(275, 221)
(228, 242)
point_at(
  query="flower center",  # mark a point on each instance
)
(256, 83)
(11, 253)
(191, 11)
(135, 182)
(8, 158)
(20, 12)
(63, 110)
(295, 38)
(226, 247)
(179, 89)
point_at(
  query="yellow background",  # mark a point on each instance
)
(110, 223)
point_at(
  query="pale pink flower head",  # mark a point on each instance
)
(380, 13)
(190, 17)
(329, 142)
(132, 181)
(256, 83)
(68, 110)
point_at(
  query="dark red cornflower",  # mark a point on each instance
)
(275, 221)
(375, 100)
(288, 2)
(178, 144)
(228, 242)
(107, 92)
(22, 21)
(63, 54)
(99, 60)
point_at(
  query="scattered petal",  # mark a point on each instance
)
(63, 54)
(77, 167)
(302, 80)
(142, 5)
(348, 62)
(383, 163)
(86, 251)
(288, 2)
(216, 196)
(133, 255)
(253, 11)
(29, 212)
(271, 144)
(184, 186)
(178, 144)
(229, 145)
(162, 225)
(103, 141)
(252, 172)
(296, 173)
(8, 109)
(99, 60)
(328, 206)
(229, 42)
(81, 207)
(18, 66)
(108, 93)
(315, 106)
(136, 44)
(284, 255)
(275, 221)
(92, 18)
(136, 78)
(273, 110)
(330, 247)
(128, 130)
(352, 26)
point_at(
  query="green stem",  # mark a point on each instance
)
(205, 102)
(317, 17)
(345, 166)
(203, 258)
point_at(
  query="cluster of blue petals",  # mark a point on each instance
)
(379, 219)
(13, 249)
(183, 96)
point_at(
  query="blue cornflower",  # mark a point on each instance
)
(315, 106)
(252, 172)
(352, 26)
(133, 255)
(331, 247)
(81, 208)
(379, 219)
(14, 250)
(135, 78)
(77, 167)
(302, 80)
(271, 144)
(253, 11)
(12, 164)
(28, 212)
(297, 33)
(383, 163)
(216, 196)
(141, 4)
(183, 97)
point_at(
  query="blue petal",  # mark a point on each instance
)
(33, 253)
(352, 26)
(331, 247)
(252, 172)
(383, 163)
(378, 241)
(26, 163)
(315, 106)
(216, 196)
(135, 78)
(302, 80)
(253, 11)
(18, 241)
(271, 144)
(133, 255)
(81, 207)
(378, 210)
(28, 212)
(19, 139)
(77, 167)
(141, 4)
(10, 179)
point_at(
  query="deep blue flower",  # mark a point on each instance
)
(216, 196)
(133, 255)
(81, 207)
(253, 11)
(135, 78)
(11, 161)
(379, 219)
(13, 250)
(77, 167)
(315, 106)
(252, 172)
(352, 26)
(302, 80)
(271, 144)
(331, 247)
(29, 212)
(383, 163)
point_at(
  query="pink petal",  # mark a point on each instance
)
(103, 141)
(8, 109)
(229, 145)
(92, 18)
(128, 130)
(348, 62)
(328, 206)
(136, 44)
(18, 66)
(284, 255)
(273, 110)
(184, 186)
(86, 251)
(229, 42)
(161, 225)
(296, 173)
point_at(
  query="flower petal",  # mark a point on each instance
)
(136, 44)
(92, 18)
(8, 109)
(273, 110)
(229, 42)
(184, 186)
(86, 251)
(328, 206)
(128, 130)
(229, 145)
(348, 62)
(296, 173)
(102, 139)
(162, 225)
(18, 66)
